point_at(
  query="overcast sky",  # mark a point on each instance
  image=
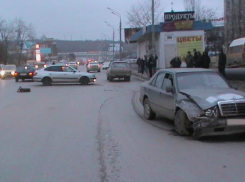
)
(80, 19)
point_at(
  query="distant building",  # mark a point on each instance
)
(234, 20)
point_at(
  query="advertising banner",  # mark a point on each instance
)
(177, 26)
(179, 16)
(185, 44)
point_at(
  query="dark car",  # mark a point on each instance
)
(199, 101)
(24, 72)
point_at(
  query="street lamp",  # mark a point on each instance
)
(113, 35)
(120, 29)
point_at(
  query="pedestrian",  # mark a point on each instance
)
(198, 60)
(195, 57)
(175, 62)
(142, 65)
(150, 64)
(222, 62)
(146, 64)
(189, 60)
(205, 60)
(138, 63)
(154, 66)
(183, 63)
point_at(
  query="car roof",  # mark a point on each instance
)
(187, 70)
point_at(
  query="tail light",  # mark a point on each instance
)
(15, 74)
(89, 66)
(30, 74)
(35, 73)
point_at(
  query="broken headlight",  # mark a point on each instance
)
(212, 112)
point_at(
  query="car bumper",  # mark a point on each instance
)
(93, 69)
(37, 79)
(93, 80)
(120, 75)
(220, 126)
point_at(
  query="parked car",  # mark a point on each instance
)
(62, 74)
(7, 71)
(199, 101)
(105, 66)
(93, 66)
(119, 69)
(73, 65)
(24, 72)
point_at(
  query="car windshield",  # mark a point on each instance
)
(200, 80)
(9, 67)
(25, 68)
(119, 65)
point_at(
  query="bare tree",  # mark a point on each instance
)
(201, 12)
(140, 13)
(6, 35)
(23, 32)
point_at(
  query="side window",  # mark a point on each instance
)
(67, 69)
(159, 80)
(56, 68)
(168, 81)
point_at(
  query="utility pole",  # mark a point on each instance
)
(153, 30)
(120, 30)
(113, 38)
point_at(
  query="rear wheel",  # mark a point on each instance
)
(47, 81)
(182, 123)
(148, 113)
(110, 78)
(84, 80)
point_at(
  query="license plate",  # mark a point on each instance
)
(23, 74)
(235, 122)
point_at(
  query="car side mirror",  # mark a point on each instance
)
(74, 71)
(170, 89)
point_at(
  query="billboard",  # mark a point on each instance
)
(128, 32)
(188, 43)
(179, 16)
(177, 26)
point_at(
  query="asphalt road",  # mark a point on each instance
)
(74, 133)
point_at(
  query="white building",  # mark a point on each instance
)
(172, 39)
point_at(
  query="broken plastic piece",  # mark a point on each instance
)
(23, 89)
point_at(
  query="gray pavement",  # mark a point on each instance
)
(93, 133)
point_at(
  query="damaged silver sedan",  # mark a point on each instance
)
(199, 101)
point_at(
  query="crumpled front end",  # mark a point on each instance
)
(212, 122)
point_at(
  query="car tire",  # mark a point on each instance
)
(148, 113)
(23, 79)
(47, 81)
(16, 79)
(84, 80)
(110, 78)
(128, 78)
(107, 77)
(182, 123)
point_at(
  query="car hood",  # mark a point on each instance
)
(207, 98)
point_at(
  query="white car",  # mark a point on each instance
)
(106, 65)
(62, 74)
(7, 71)
(73, 65)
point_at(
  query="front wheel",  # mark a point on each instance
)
(182, 123)
(84, 81)
(148, 113)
